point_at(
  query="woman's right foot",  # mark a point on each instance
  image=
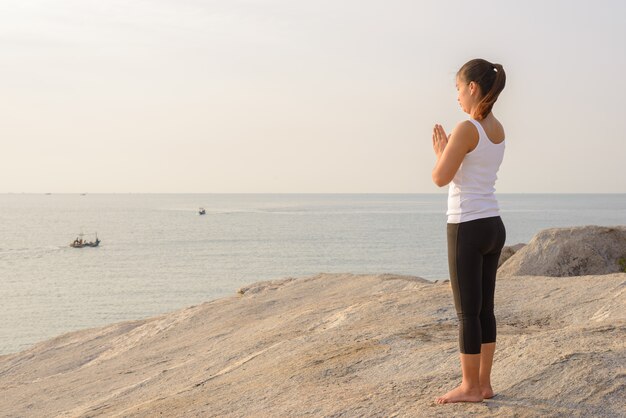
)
(460, 394)
(487, 392)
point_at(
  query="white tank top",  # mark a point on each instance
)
(471, 192)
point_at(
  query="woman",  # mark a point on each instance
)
(468, 160)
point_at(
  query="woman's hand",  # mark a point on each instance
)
(463, 139)
(440, 140)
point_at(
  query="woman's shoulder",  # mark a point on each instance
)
(494, 129)
(466, 132)
(466, 127)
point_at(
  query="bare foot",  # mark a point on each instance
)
(487, 392)
(461, 394)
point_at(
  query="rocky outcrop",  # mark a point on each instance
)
(335, 345)
(576, 251)
(508, 251)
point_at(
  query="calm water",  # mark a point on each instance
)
(157, 254)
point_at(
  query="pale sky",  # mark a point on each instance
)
(290, 96)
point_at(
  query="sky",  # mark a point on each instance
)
(291, 96)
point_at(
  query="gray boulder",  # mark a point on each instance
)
(575, 251)
(508, 251)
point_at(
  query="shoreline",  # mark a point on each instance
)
(176, 309)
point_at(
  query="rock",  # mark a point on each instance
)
(575, 251)
(508, 251)
(257, 287)
(335, 345)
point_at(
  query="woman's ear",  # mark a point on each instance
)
(472, 87)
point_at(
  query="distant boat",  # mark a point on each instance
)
(202, 211)
(80, 243)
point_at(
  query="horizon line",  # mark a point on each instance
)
(299, 193)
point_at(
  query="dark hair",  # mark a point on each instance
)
(491, 79)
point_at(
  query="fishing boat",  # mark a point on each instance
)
(79, 242)
(202, 211)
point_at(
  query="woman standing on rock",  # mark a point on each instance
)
(468, 160)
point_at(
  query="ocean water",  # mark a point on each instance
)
(158, 255)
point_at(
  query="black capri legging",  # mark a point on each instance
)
(474, 249)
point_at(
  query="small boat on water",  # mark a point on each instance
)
(80, 243)
(202, 211)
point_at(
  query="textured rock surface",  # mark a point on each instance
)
(508, 251)
(575, 251)
(336, 345)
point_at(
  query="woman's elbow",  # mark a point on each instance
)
(439, 180)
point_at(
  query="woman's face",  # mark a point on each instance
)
(465, 94)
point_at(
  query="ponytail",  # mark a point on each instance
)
(491, 79)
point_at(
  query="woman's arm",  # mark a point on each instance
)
(451, 150)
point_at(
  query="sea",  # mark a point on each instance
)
(158, 254)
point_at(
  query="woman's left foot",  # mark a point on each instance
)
(461, 394)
